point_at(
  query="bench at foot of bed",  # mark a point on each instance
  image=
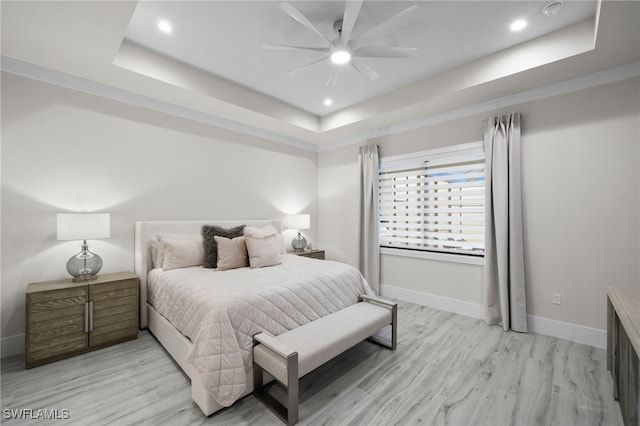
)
(293, 354)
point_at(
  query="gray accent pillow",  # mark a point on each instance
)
(209, 243)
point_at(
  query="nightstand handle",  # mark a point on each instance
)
(86, 317)
(91, 316)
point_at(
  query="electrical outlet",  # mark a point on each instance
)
(557, 299)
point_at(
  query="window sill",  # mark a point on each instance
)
(443, 257)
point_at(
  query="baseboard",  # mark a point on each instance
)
(538, 325)
(12, 345)
(568, 331)
(448, 304)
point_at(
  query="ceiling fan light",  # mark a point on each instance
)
(340, 57)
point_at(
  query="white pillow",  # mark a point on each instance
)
(181, 252)
(232, 253)
(159, 259)
(153, 250)
(265, 231)
(282, 248)
(262, 231)
(263, 251)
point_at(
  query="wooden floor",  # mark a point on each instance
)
(447, 370)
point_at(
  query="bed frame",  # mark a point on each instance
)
(173, 341)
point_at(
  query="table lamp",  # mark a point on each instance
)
(83, 226)
(298, 222)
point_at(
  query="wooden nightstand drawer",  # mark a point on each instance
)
(54, 349)
(315, 254)
(55, 299)
(64, 318)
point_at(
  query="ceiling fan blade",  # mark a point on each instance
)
(295, 14)
(397, 19)
(364, 69)
(384, 52)
(351, 12)
(302, 68)
(333, 79)
(274, 46)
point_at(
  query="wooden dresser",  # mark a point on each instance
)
(64, 318)
(623, 349)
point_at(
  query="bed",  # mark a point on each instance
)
(206, 318)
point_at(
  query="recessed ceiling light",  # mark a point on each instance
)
(340, 57)
(328, 101)
(165, 26)
(518, 24)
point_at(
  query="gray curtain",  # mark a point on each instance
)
(504, 287)
(369, 252)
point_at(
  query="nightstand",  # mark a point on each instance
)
(315, 254)
(64, 318)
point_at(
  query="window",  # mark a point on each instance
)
(434, 200)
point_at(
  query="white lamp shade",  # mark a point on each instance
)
(84, 226)
(298, 221)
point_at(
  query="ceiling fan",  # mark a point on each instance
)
(344, 50)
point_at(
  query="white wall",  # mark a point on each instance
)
(67, 151)
(580, 178)
(581, 204)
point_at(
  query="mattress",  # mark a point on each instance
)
(220, 311)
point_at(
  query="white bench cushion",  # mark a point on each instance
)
(323, 339)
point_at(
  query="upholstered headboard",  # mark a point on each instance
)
(146, 231)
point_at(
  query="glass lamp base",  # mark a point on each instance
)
(299, 243)
(84, 278)
(85, 265)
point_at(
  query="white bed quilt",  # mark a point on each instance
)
(220, 311)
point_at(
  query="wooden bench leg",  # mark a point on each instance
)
(292, 389)
(393, 342)
(288, 413)
(394, 327)
(257, 378)
(394, 320)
